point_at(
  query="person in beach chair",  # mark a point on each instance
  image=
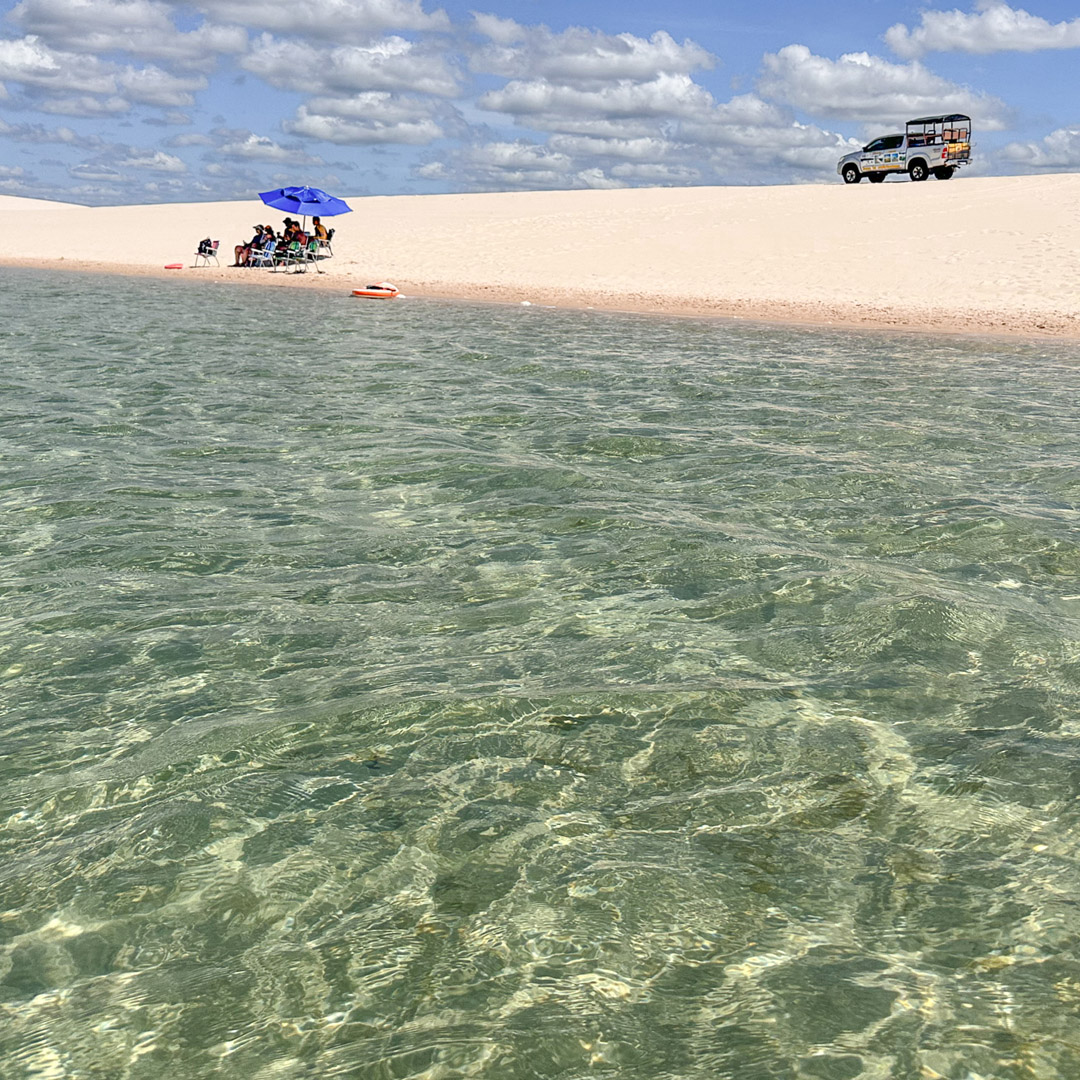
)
(206, 251)
(242, 253)
(323, 237)
(263, 254)
(287, 254)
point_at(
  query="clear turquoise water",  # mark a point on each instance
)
(420, 690)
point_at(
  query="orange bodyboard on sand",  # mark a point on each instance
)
(383, 290)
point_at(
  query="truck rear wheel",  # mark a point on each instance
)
(875, 177)
(945, 172)
(917, 170)
(851, 174)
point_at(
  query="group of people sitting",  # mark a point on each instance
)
(264, 235)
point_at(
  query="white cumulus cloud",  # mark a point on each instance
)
(152, 86)
(92, 170)
(524, 165)
(252, 147)
(992, 27)
(192, 138)
(143, 28)
(867, 89)
(639, 149)
(505, 166)
(391, 63)
(657, 174)
(83, 105)
(37, 133)
(346, 122)
(629, 109)
(71, 84)
(597, 180)
(1060, 150)
(579, 56)
(343, 21)
(154, 160)
(605, 99)
(546, 104)
(30, 61)
(375, 117)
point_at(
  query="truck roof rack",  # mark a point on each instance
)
(947, 118)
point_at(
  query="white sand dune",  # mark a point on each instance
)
(974, 254)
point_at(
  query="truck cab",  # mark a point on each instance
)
(930, 145)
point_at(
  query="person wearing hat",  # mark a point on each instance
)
(266, 234)
(243, 251)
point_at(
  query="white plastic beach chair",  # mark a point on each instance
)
(288, 255)
(207, 255)
(309, 256)
(264, 256)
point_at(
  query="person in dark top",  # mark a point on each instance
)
(242, 252)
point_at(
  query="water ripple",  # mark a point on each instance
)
(513, 693)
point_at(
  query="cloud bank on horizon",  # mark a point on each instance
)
(111, 101)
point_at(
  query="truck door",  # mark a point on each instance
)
(892, 156)
(871, 156)
(883, 155)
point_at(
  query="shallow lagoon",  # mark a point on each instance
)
(424, 690)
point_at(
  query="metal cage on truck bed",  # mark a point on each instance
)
(952, 133)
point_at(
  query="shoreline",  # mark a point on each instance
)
(1012, 325)
(974, 256)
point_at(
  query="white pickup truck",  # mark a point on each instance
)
(936, 145)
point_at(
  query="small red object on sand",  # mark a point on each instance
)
(174, 266)
(382, 291)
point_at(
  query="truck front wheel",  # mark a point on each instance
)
(851, 174)
(917, 170)
(945, 172)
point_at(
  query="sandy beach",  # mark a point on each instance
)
(983, 255)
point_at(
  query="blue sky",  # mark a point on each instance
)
(121, 101)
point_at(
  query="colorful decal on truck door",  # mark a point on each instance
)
(884, 160)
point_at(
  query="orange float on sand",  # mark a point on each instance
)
(174, 266)
(382, 290)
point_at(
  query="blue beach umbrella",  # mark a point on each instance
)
(305, 201)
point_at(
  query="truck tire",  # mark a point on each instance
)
(917, 171)
(875, 177)
(945, 172)
(851, 174)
